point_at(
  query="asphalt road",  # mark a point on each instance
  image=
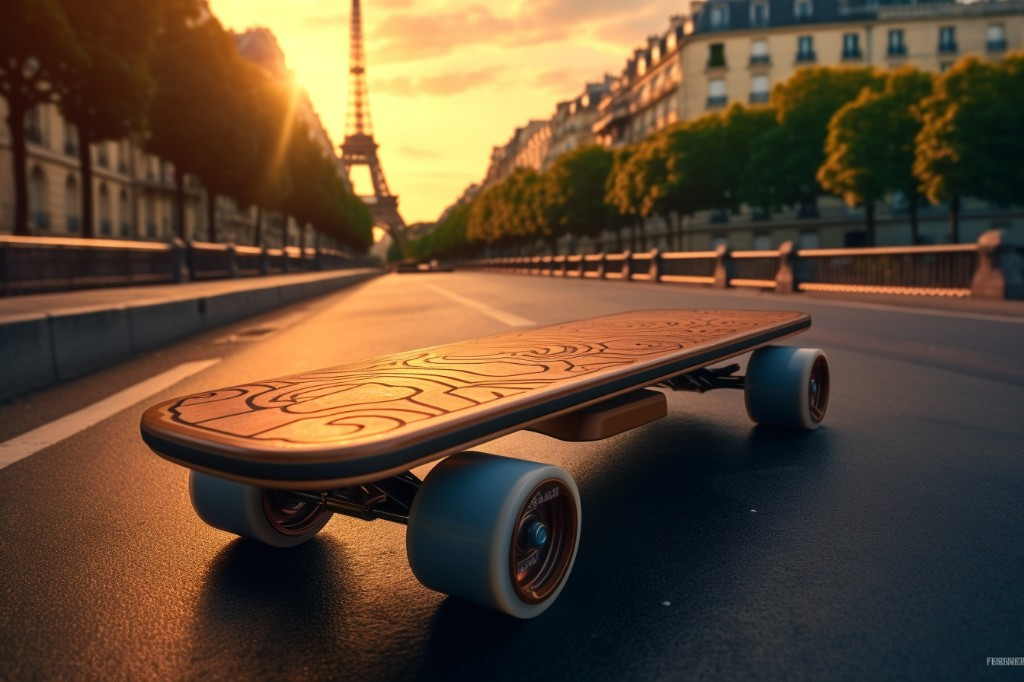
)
(887, 544)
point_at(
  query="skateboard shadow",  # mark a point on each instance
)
(258, 598)
(667, 530)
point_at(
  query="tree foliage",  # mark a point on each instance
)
(804, 105)
(870, 145)
(971, 142)
(39, 57)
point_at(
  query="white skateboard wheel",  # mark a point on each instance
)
(498, 532)
(786, 386)
(272, 517)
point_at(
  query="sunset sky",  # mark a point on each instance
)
(450, 79)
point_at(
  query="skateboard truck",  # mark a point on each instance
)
(389, 499)
(706, 379)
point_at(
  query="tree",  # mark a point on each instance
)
(804, 105)
(622, 191)
(870, 145)
(575, 191)
(970, 142)
(39, 55)
(109, 97)
(213, 115)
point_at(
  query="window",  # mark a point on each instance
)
(759, 90)
(805, 49)
(803, 10)
(995, 38)
(37, 198)
(851, 46)
(759, 52)
(716, 55)
(101, 155)
(70, 139)
(716, 92)
(896, 45)
(762, 242)
(124, 213)
(150, 217)
(719, 16)
(947, 39)
(809, 240)
(759, 14)
(34, 126)
(72, 203)
(106, 229)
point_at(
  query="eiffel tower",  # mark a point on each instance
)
(359, 147)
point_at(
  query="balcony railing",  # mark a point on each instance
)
(41, 220)
(70, 148)
(897, 50)
(852, 54)
(996, 45)
(806, 57)
(758, 59)
(759, 97)
(948, 48)
(715, 101)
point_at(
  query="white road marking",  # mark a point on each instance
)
(499, 315)
(28, 444)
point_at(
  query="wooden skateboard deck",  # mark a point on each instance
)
(374, 418)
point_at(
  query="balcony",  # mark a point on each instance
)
(996, 45)
(760, 59)
(717, 101)
(70, 148)
(948, 48)
(34, 135)
(759, 97)
(106, 228)
(897, 50)
(806, 57)
(41, 220)
(852, 55)
(74, 223)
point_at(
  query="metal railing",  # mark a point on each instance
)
(41, 264)
(990, 268)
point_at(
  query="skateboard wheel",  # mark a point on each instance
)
(272, 517)
(787, 386)
(498, 532)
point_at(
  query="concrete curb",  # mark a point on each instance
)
(38, 350)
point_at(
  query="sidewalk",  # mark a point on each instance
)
(46, 338)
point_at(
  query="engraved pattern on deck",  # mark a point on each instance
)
(363, 401)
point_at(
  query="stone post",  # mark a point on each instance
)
(998, 273)
(723, 267)
(627, 263)
(785, 279)
(179, 261)
(655, 271)
(602, 265)
(232, 256)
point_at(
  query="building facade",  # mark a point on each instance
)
(644, 98)
(133, 191)
(740, 49)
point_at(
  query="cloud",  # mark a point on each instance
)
(408, 37)
(410, 151)
(565, 82)
(441, 85)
